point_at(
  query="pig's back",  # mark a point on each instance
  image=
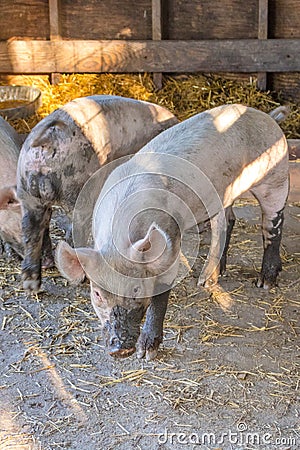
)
(228, 131)
(221, 142)
(9, 152)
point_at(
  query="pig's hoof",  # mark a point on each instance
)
(263, 284)
(147, 346)
(32, 284)
(207, 283)
(122, 352)
(201, 280)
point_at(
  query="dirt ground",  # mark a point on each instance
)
(226, 377)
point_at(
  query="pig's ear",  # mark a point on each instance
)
(68, 264)
(154, 241)
(75, 264)
(45, 137)
(8, 198)
(153, 249)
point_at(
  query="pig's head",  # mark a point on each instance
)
(120, 301)
(11, 218)
(8, 199)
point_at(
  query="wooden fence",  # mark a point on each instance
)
(238, 37)
(260, 37)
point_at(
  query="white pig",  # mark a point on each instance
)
(186, 175)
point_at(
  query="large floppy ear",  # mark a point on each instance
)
(152, 249)
(8, 198)
(74, 264)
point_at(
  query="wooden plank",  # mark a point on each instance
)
(55, 31)
(54, 21)
(248, 55)
(286, 83)
(294, 195)
(284, 23)
(26, 18)
(284, 19)
(262, 34)
(106, 19)
(157, 35)
(211, 19)
(294, 148)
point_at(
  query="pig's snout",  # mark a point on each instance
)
(122, 331)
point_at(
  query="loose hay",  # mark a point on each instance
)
(183, 95)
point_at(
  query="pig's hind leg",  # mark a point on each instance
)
(48, 257)
(35, 224)
(272, 201)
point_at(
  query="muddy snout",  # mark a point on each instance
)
(122, 331)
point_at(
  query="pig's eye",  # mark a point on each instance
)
(136, 291)
(98, 296)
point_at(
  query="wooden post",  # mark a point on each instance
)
(157, 35)
(262, 34)
(55, 34)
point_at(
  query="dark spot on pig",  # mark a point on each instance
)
(87, 151)
(277, 224)
(23, 184)
(74, 133)
(271, 264)
(33, 184)
(69, 170)
(50, 187)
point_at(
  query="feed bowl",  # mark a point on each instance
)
(19, 102)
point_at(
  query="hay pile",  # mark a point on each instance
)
(183, 95)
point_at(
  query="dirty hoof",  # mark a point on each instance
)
(31, 284)
(263, 284)
(207, 283)
(122, 352)
(147, 346)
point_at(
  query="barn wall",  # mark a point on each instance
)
(284, 23)
(207, 19)
(186, 20)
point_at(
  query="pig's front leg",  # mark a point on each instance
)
(34, 224)
(48, 257)
(152, 332)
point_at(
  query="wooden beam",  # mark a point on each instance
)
(294, 148)
(294, 195)
(247, 55)
(157, 35)
(262, 34)
(55, 31)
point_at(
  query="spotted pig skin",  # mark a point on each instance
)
(65, 149)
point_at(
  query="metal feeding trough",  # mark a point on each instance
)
(18, 102)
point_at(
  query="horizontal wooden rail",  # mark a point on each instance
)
(246, 55)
